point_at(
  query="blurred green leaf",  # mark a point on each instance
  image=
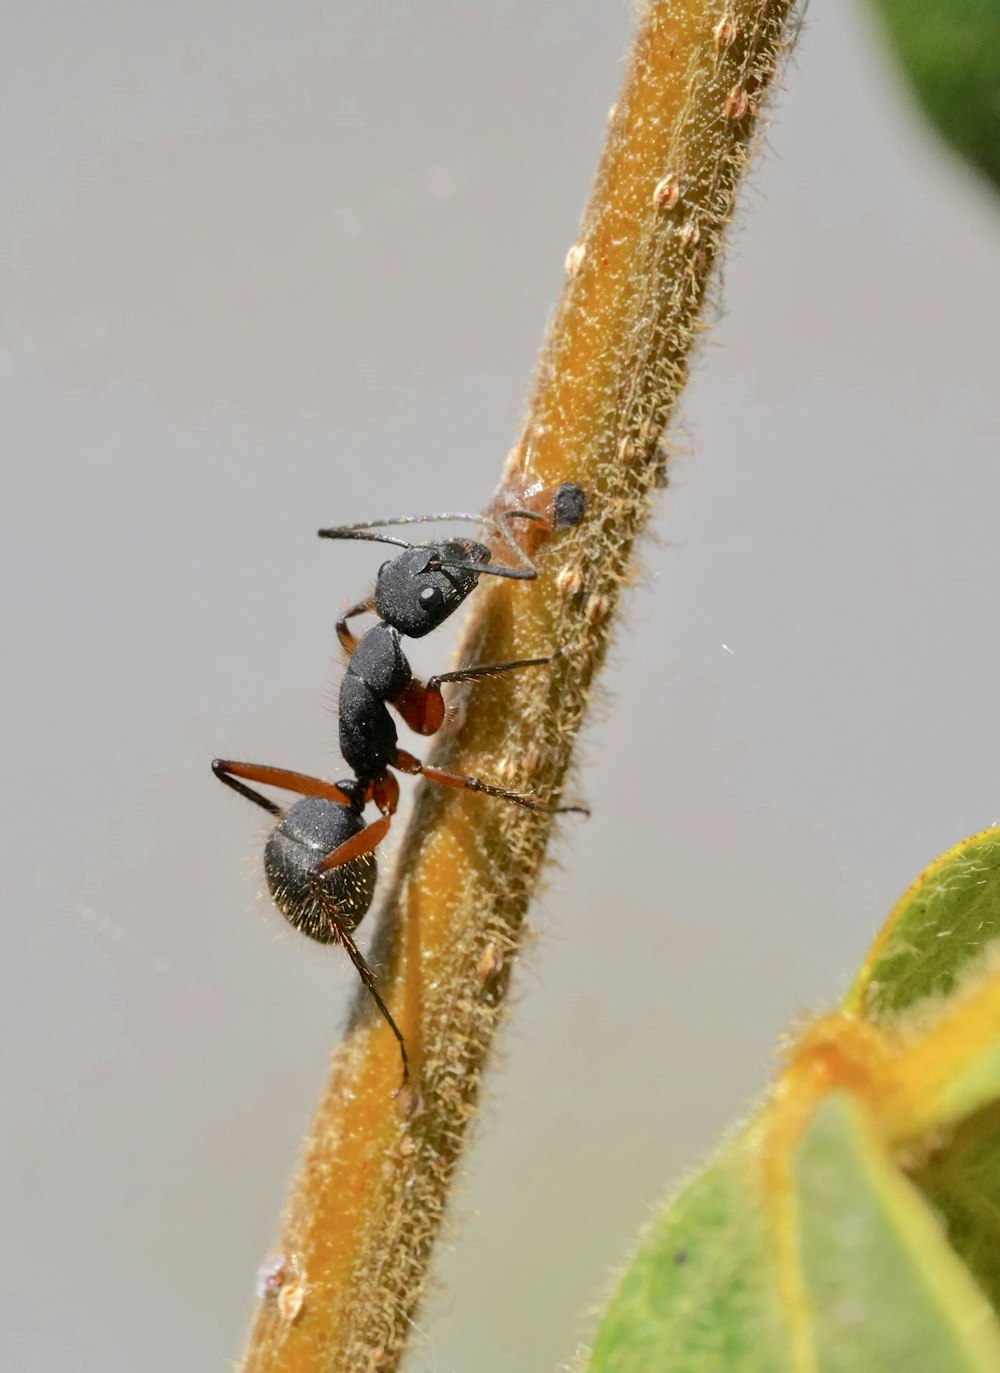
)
(854, 1225)
(938, 928)
(697, 1286)
(950, 51)
(962, 1183)
(884, 1289)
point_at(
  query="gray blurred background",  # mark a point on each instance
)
(267, 267)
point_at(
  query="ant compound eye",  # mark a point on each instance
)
(430, 597)
(387, 563)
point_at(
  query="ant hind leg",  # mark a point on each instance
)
(228, 771)
(347, 639)
(365, 841)
(368, 978)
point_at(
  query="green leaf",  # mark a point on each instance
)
(697, 1296)
(962, 1184)
(876, 1288)
(939, 929)
(854, 1225)
(950, 52)
(885, 1291)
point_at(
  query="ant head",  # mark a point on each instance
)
(419, 589)
(318, 903)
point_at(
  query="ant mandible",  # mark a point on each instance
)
(319, 861)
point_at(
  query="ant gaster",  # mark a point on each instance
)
(319, 860)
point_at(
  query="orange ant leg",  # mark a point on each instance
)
(227, 772)
(422, 705)
(385, 793)
(349, 641)
(406, 762)
(366, 841)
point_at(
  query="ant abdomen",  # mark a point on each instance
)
(315, 902)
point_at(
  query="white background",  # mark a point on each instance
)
(269, 267)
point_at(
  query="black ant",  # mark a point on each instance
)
(319, 860)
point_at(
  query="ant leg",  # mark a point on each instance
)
(228, 772)
(349, 641)
(385, 793)
(365, 841)
(406, 762)
(368, 978)
(470, 674)
(422, 706)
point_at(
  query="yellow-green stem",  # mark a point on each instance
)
(368, 1200)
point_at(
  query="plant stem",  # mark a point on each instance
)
(368, 1201)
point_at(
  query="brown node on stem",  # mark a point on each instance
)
(725, 33)
(736, 103)
(650, 429)
(597, 607)
(667, 192)
(531, 759)
(574, 259)
(491, 962)
(507, 770)
(291, 1301)
(409, 1101)
(691, 233)
(272, 1275)
(569, 582)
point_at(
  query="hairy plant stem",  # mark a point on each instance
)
(369, 1197)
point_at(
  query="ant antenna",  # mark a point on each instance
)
(526, 572)
(360, 532)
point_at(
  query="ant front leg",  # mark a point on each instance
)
(348, 640)
(422, 706)
(406, 762)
